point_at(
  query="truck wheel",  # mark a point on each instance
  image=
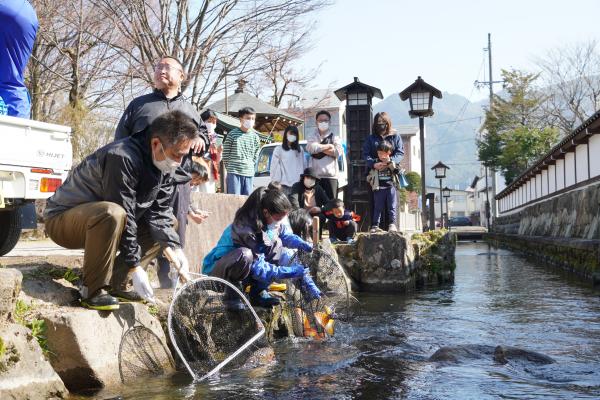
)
(10, 230)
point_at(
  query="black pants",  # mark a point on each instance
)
(347, 232)
(330, 186)
(234, 266)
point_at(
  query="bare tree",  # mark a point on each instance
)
(571, 77)
(74, 70)
(280, 77)
(202, 35)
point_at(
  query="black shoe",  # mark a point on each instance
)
(102, 301)
(129, 296)
(232, 300)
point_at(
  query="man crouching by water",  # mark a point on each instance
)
(118, 199)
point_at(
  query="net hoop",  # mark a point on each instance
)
(261, 328)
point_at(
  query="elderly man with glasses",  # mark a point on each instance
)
(139, 114)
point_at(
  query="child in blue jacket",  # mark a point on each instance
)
(253, 250)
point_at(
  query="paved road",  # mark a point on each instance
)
(40, 248)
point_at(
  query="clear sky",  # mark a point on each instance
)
(387, 43)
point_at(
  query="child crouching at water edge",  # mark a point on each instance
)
(341, 223)
(252, 249)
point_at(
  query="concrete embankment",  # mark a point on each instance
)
(563, 231)
(395, 262)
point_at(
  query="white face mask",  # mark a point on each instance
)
(248, 123)
(166, 166)
(210, 127)
(273, 226)
(309, 182)
(323, 126)
(292, 138)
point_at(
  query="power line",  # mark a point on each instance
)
(453, 121)
(453, 141)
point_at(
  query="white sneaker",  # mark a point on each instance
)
(392, 228)
(374, 229)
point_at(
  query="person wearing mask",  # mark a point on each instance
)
(213, 156)
(139, 114)
(287, 162)
(383, 132)
(325, 147)
(308, 195)
(253, 250)
(240, 152)
(117, 199)
(18, 29)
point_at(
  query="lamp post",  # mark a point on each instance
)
(446, 194)
(440, 173)
(421, 96)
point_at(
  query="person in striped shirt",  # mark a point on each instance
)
(240, 152)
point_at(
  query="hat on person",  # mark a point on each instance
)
(310, 172)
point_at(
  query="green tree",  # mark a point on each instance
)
(513, 134)
(414, 182)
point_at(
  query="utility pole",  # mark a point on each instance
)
(490, 83)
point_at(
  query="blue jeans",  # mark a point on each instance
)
(384, 200)
(239, 184)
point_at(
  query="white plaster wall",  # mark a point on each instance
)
(538, 185)
(582, 165)
(544, 182)
(552, 177)
(594, 155)
(570, 168)
(560, 174)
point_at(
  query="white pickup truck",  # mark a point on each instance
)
(35, 159)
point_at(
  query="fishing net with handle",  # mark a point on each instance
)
(316, 318)
(142, 354)
(206, 331)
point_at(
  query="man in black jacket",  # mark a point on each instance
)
(118, 198)
(139, 114)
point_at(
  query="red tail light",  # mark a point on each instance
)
(42, 170)
(50, 184)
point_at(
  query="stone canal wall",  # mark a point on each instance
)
(563, 231)
(399, 263)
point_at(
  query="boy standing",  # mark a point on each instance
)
(240, 152)
(384, 192)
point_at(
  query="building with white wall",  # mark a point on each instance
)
(571, 164)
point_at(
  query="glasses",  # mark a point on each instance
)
(166, 67)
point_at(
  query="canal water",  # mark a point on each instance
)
(498, 298)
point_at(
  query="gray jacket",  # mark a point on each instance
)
(325, 166)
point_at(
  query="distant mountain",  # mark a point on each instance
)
(450, 134)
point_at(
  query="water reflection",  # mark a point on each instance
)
(498, 298)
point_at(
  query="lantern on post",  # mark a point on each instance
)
(440, 173)
(359, 118)
(421, 95)
(446, 195)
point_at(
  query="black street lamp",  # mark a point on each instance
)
(421, 96)
(440, 173)
(446, 195)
